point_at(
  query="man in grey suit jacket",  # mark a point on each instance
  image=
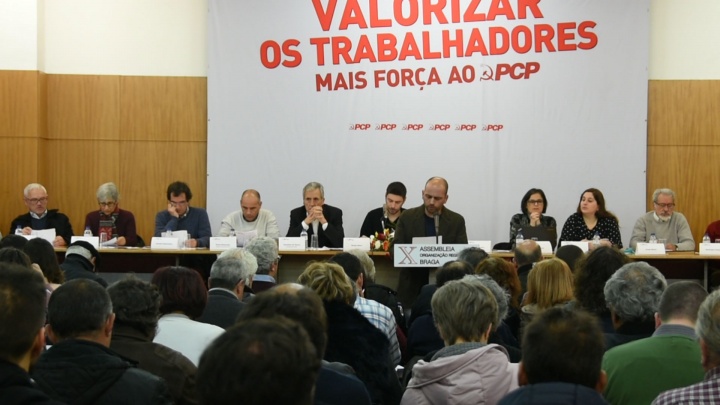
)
(420, 222)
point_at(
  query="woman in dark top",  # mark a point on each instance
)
(533, 206)
(590, 218)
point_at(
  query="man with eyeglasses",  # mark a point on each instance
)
(180, 217)
(668, 226)
(39, 217)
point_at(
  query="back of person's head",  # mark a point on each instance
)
(295, 302)
(591, 273)
(42, 253)
(454, 270)
(265, 250)
(182, 290)
(22, 310)
(136, 304)
(472, 256)
(259, 361)
(350, 264)
(502, 297)
(562, 345)
(505, 275)
(570, 254)
(550, 283)
(707, 328)
(78, 308)
(227, 271)
(681, 300)
(633, 292)
(329, 281)
(13, 255)
(527, 252)
(13, 240)
(464, 310)
(83, 249)
(366, 262)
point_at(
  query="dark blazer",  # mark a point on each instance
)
(222, 308)
(331, 237)
(56, 220)
(412, 224)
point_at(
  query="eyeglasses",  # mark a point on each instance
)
(107, 204)
(176, 203)
(535, 202)
(668, 205)
(37, 200)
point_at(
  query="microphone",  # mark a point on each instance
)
(436, 217)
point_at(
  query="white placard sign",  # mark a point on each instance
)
(356, 243)
(93, 240)
(644, 248)
(164, 243)
(222, 242)
(485, 245)
(585, 246)
(710, 249)
(413, 255)
(292, 243)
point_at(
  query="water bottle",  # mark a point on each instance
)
(18, 230)
(653, 238)
(596, 239)
(303, 234)
(87, 232)
(519, 239)
(706, 239)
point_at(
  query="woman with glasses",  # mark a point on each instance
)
(531, 221)
(592, 218)
(110, 221)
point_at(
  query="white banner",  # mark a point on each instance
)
(495, 96)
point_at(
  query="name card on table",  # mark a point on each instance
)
(356, 243)
(93, 240)
(710, 249)
(293, 243)
(545, 247)
(164, 243)
(585, 246)
(644, 248)
(222, 242)
(485, 245)
(414, 255)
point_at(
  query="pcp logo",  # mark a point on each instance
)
(466, 127)
(492, 127)
(439, 127)
(385, 127)
(413, 127)
(359, 127)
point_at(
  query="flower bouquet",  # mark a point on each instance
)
(381, 241)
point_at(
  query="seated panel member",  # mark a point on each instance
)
(250, 217)
(664, 223)
(180, 217)
(386, 216)
(39, 217)
(110, 219)
(533, 206)
(317, 218)
(590, 218)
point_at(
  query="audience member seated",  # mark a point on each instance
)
(39, 217)
(378, 314)
(664, 223)
(352, 339)
(706, 327)
(22, 333)
(251, 220)
(639, 371)
(274, 358)
(110, 220)
(591, 218)
(13, 240)
(592, 272)
(228, 277)
(336, 382)
(452, 270)
(13, 255)
(500, 333)
(80, 368)
(265, 250)
(183, 299)
(42, 254)
(505, 275)
(550, 284)
(137, 308)
(525, 256)
(570, 254)
(81, 260)
(533, 205)
(633, 294)
(562, 354)
(472, 256)
(467, 370)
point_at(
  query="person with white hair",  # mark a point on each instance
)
(39, 217)
(110, 220)
(666, 224)
(265, 250)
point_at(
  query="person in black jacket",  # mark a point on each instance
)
(81, 259)
(80, 368)
(39, 217)
(317, 218)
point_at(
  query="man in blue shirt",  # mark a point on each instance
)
(180, 217)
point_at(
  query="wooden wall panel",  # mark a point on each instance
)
(684, 112)
(164, 108)
(83, 107)
(18, 103)
(19, 168)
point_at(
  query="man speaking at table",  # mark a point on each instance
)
(430, 219)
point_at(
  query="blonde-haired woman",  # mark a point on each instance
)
(550, 283)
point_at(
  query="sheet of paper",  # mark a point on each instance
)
(244, 237)
(47, 234)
